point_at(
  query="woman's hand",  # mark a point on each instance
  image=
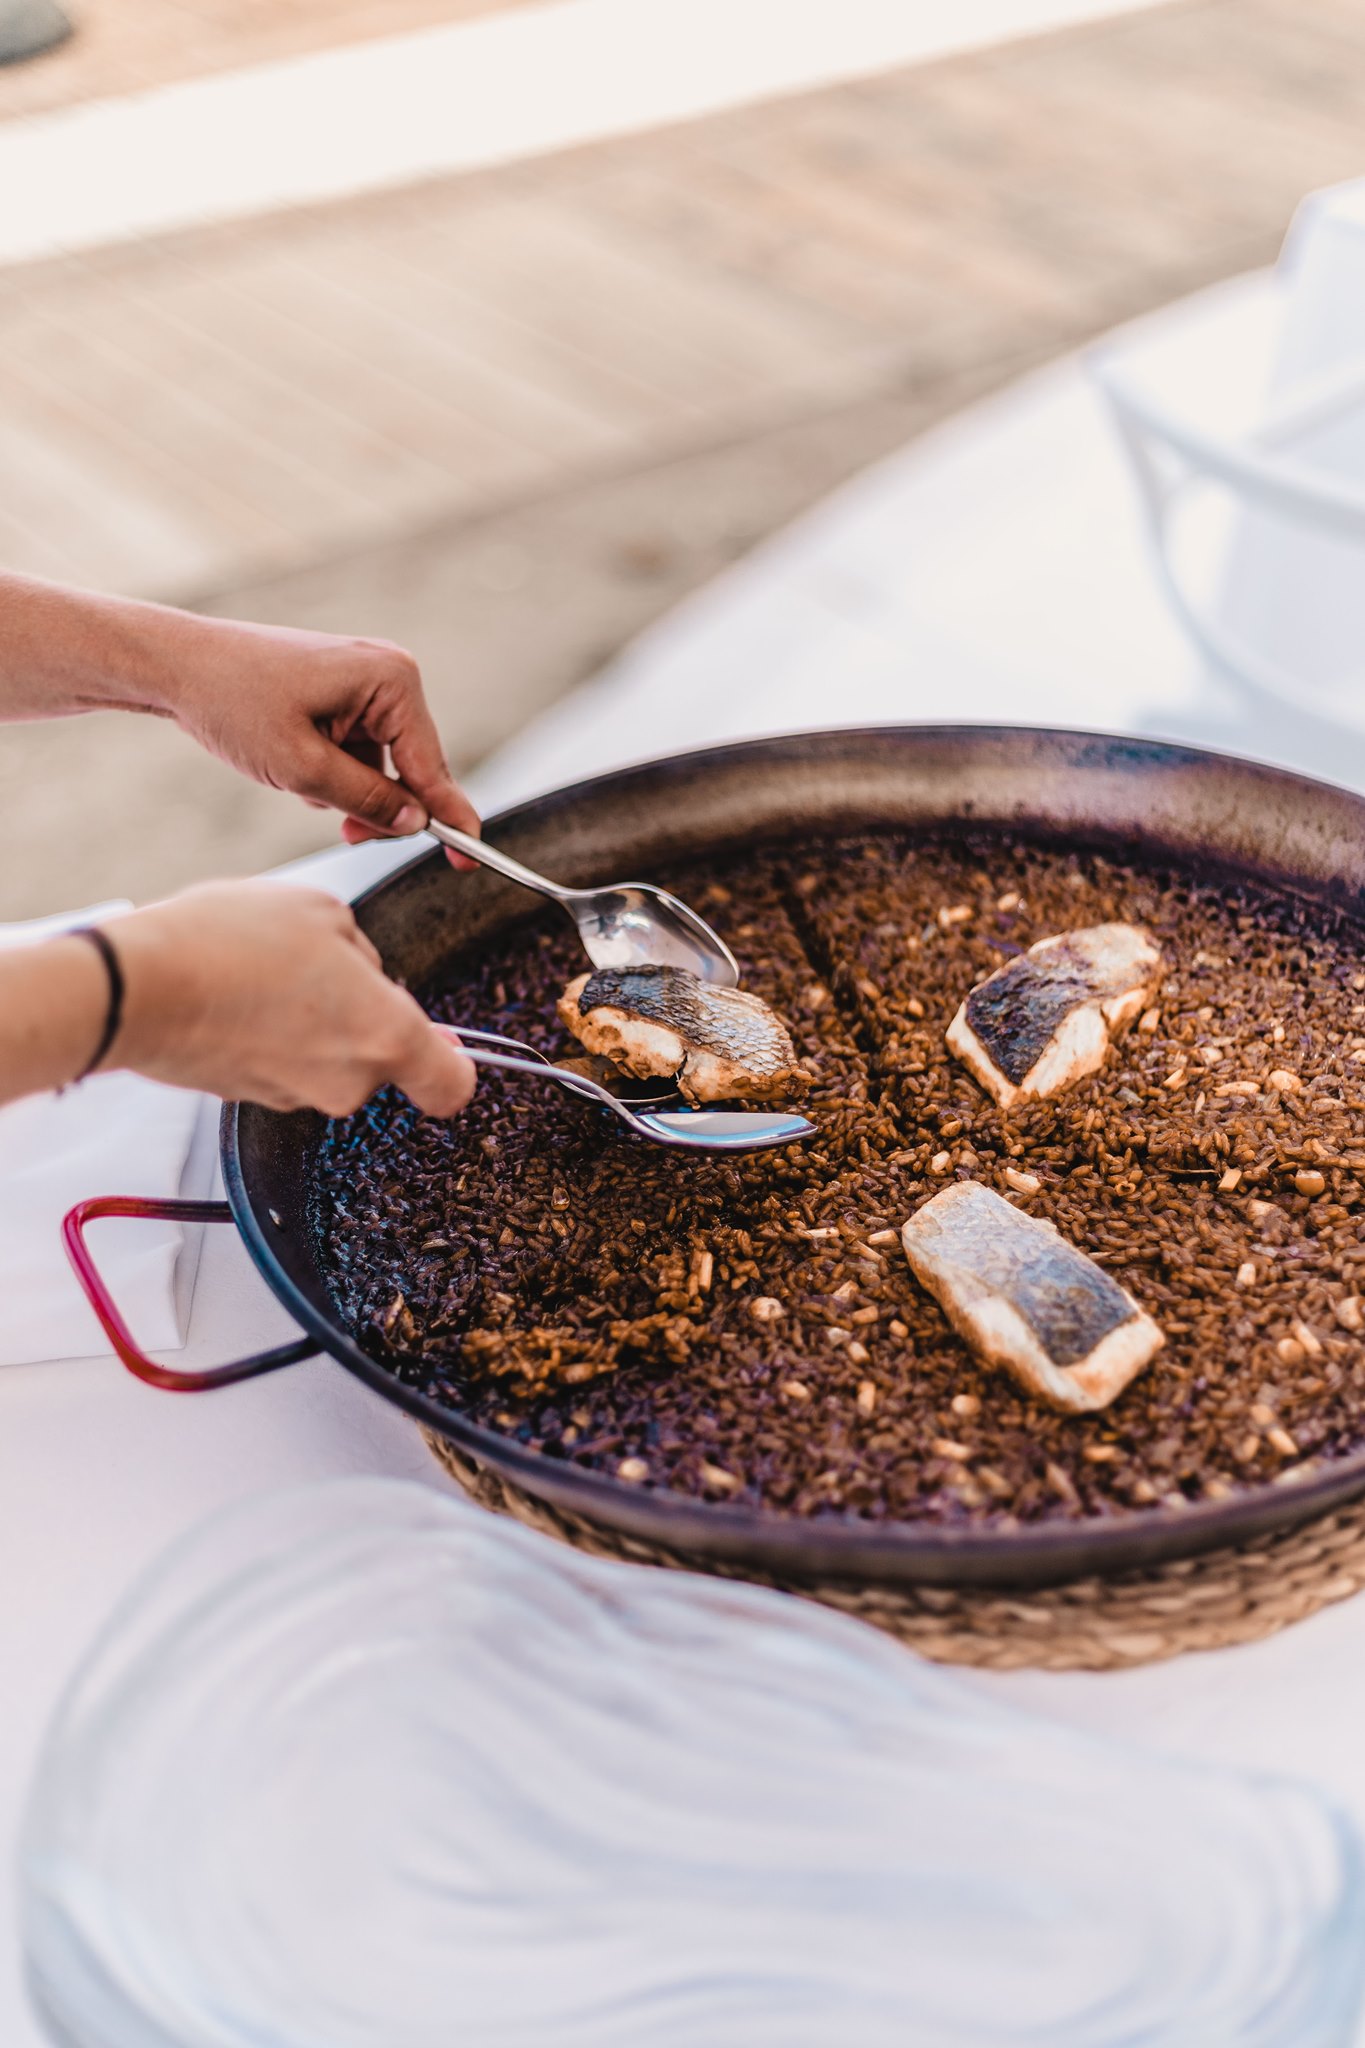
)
(262, 993)
(323, 716)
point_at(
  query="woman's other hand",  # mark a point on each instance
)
(340, 722)
(263, 993)
(323, 716)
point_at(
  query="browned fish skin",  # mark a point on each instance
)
(1065, 1298)
(1027, 1300)
(721, 1042)
(723, 1020)
(1017, 1011)
(1046, 1019)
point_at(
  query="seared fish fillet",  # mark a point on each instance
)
(1026, 1300)
(1044, 1021)
(719, 1042)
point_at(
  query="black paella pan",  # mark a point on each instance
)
(1141, 798)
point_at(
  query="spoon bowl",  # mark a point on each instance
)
(625, 924)
(695, 1130)
(725, 1130)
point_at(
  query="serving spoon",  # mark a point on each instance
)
(660, 1091)
(625, 924)
(697, 1130)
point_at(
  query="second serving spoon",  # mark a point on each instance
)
(695, 1130)
(624, 924)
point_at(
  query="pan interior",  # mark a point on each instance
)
(404, 918)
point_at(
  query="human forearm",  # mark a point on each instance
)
(341, 721)
(54, 999)
(64, 651)
(246, 990)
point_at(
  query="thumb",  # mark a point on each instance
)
(436, 1076)
(366, 795)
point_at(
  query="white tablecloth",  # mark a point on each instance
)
(99, 1474)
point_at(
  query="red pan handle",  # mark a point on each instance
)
(112, 1323)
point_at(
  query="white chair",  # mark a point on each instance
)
(1243, 418)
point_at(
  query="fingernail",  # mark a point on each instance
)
(412, 818)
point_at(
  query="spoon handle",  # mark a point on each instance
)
(501, 863)
(463, 1034)
(573, 1084)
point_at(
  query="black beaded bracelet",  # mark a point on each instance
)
(113, 1017)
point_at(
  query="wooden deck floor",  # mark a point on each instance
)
(122, 46)
(407, 413)
(224, 406)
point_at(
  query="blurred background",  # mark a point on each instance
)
(497, 329)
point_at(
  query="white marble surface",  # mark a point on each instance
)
(993, 573)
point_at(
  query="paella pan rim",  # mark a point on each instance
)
(848, 1548)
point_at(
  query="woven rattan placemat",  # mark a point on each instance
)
(1198, 1603)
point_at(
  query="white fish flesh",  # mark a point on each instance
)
(720, 1043)
(1044, 1020)
(1027, 1300)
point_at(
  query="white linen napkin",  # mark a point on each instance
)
(115, 1134)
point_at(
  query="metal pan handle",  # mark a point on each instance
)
(112, 1323)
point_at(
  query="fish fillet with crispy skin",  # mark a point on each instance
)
(1044, 1020)
(721, 1043)
(1027, 1300)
